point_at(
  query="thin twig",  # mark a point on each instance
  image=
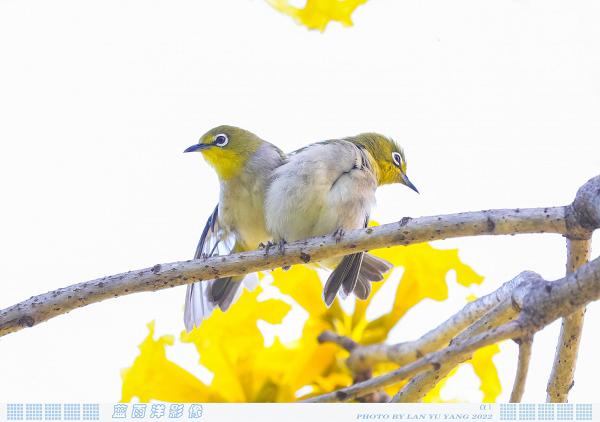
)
(343, 341)
(522, 369)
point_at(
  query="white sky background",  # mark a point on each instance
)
(496, 104)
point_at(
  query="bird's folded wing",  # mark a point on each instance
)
(323, 187)
(214, 239)
(203, 297)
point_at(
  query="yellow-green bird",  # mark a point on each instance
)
(329, 187)
(244, 163)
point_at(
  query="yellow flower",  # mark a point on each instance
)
(316, 14)
(232, 347)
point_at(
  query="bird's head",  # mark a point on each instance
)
(227, 149)
(387, 156)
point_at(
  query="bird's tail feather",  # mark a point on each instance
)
(197, 305)
(203, 297)
(224, 290)
(344, 275)
(362, 288)
(376, 265)
(354, 274)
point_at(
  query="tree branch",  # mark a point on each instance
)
(363, 357)
(563, 371)
(40, 308)
(539, 303)
(483, 322)
(431, 361)
(584, 213)
(419, 386)
(522, 369)
(342, 341)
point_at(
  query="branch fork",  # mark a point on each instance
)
(516, 310)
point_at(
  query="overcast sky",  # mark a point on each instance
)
(496, 104)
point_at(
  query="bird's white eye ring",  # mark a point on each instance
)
(221, 140)
(397, 159)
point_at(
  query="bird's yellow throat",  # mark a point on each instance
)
(227, 163)
(380, 150)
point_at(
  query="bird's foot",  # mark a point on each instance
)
(338, 234)
(267, 246)
(281, 246)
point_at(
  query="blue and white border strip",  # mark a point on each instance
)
(217, 412)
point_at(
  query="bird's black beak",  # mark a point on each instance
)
(196, 147)
(408, 183)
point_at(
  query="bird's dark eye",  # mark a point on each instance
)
(397, 159)
(221, 140)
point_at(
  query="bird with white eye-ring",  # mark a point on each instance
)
(329, 187)
(221, 140)
(243, 162)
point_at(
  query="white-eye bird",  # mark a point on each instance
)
(243, 163)
(329, 187)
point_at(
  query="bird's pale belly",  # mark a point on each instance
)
(252, 234)
(247, 221)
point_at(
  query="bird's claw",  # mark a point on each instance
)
(338, 234)
(281, 246)
(267, 246)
